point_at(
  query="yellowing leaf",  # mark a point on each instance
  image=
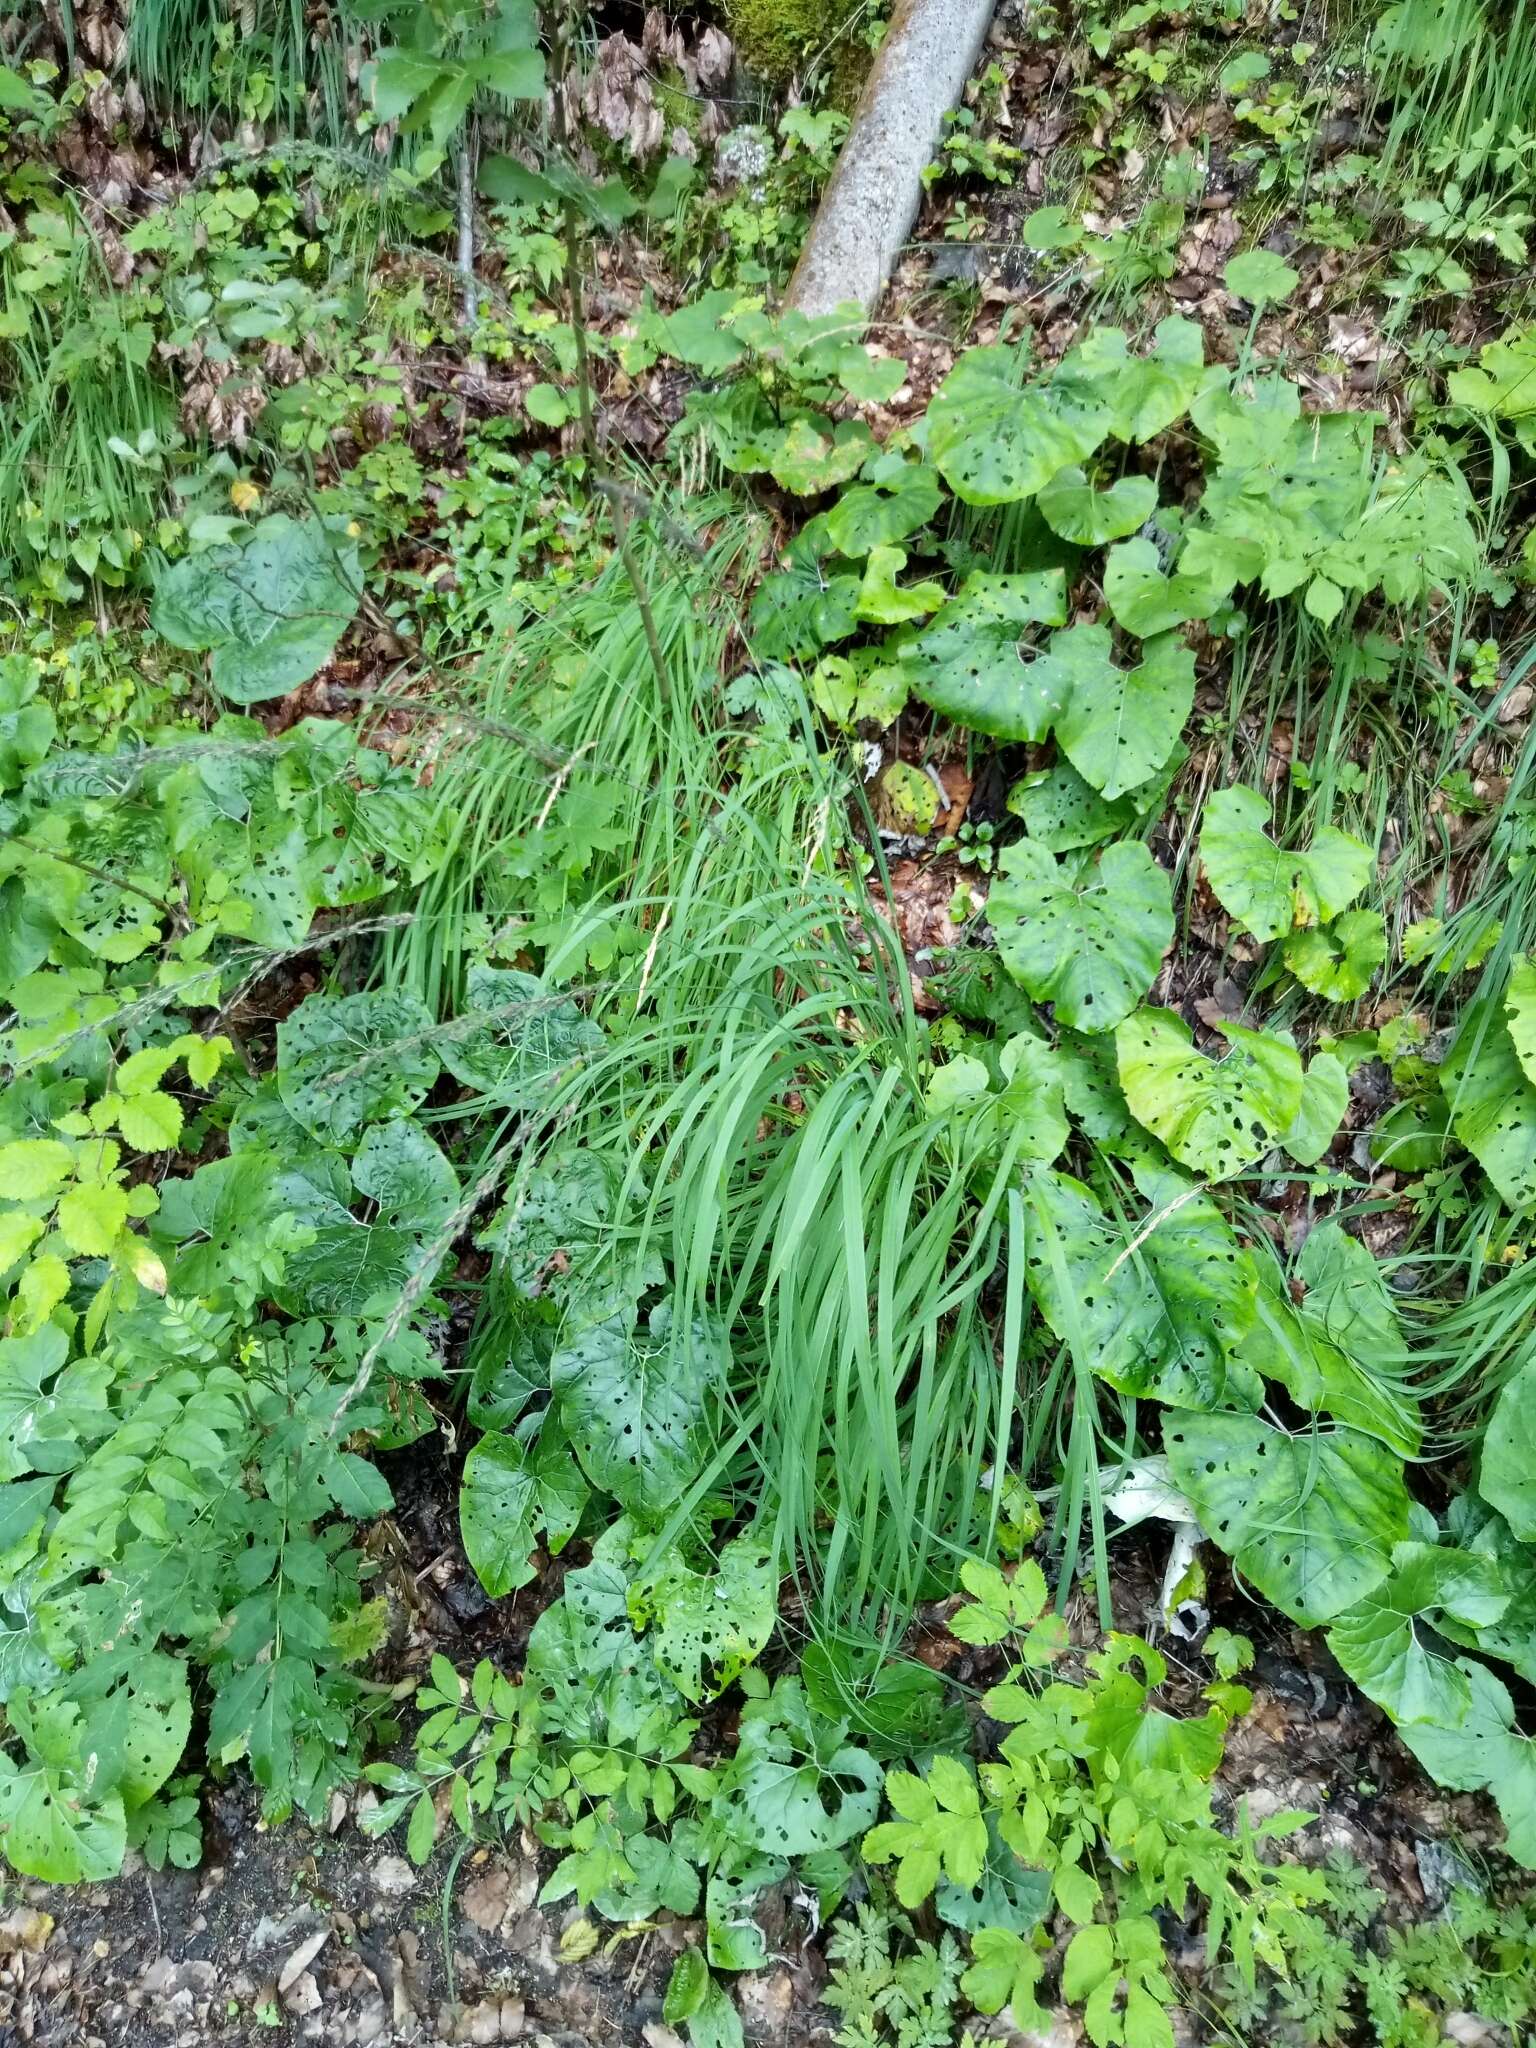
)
(43, 1286)
(90, 1218)
(31, 1169)
(151, 1123)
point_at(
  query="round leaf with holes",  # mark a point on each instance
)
(1216, 1117)
(1309, 1519)
(1267, 889)
(995, 442)
(1338, 961)
(966, 662)
(1507, 1473)
(1493, 1104)
(1088, 938)
(496, 1513)
(877, 514)
(345, 1061)
(1520, 1011)
(633, 1403)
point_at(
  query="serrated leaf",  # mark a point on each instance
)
(1310, 1519)
(1215, 1117)
(1087, 938)
(344, 1061)
(1268, 890)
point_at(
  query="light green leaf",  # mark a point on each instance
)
(1089, 938)
(1324, 1099)
(1334, 1342)
(878, 514)
(1485, 1753)
(1146, 394)
(1216, 1117)
(994, 442)
(814, 457)
(1380, 1643)
(707, 1627)
(1507, 1471)
(1493, 1104)
(150, 1122)
(1145, 601)
(407, 1174)
(883, 601)
(1268, 890)
(1339, 960)
(1260, 276)
(1520, 1011)
(1072, 507)
(90, 1218)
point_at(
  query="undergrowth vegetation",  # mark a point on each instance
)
(876, 971)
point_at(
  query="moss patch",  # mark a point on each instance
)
(776, 38)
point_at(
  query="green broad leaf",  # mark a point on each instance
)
(1382, 1643)
(1087, 937)
(879, 514)
(808, 604)
(27, 725)
(1147, 602)
(349, 1268)
(1215, 1117)
(1063, 813)
(49, 1831)
(1072, 507)
(497, 1496)
(870, 380)
(49, 1409)
(345, 1061)
(1339, 960)
(1008, 1895)
(850, 693)
(1324, 1099)
(1520, 1013)
(271, 609)
(137, 1732)
(699, 334)
(1260, 276)
(1485, 1752)
(1507, 1468)
(1334, 1341)
(1117, 726)
(705, 1628)
(1310, 1519)
(816, 457)
(513, 74)
(1167, 1320)
(1269, 891)
(1493, 1104)
(1089, 1962)
(400, 78)
(995, 442)
(407, 1174)
(1147, 394)
(686, 1988)
(517, 1036)
(883, 601)
(635, 1405)
(966, 662)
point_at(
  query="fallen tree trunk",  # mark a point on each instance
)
(872, 197)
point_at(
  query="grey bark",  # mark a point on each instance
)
(872, 196)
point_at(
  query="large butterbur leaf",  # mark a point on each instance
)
(1215, 1116)
(996, 440)
(1269, 890)
(1310, 1519)
(967, 662)
(1485, 1752)
(635, 1404)
(1387, 1646)
(1074, 508)
(271, 609)
(1117, 726)
(1086, 936)
(1507, 1470)
(1520, 1013)
(516, 1037)
(1493, 1103)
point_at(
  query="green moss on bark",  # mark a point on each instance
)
(776, 39)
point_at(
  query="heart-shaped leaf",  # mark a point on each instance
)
(1088, 937)
(1145, 601)
(897, 499)
(1260, 276)
(1216, 1117)
(995, 442)
(1072, 507)
(1267, 889)
(967, 665)
(1116, 726)
(1338, 960)
(1493, 1104)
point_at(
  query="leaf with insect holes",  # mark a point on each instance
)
(1520, 1013)
(896, 499)
(345, 1061)
(1063, 812)
(497, 1504)
(1165, 1320)
(1338, 961)
(1116, 726)
(1493, 1103)
(1215, 1116)
(814, 455)
(1072, 507)
(886, 602)
(1381, 1643)
(270, 608)
(1088, 937)
(1146, 601)
(517, 1035)
(995, 441)
(1267, 889)
(966, 662)
(1506, 1475)
(1260, 276)
(705, 1628)
(635, 1404)
(808, 603)
(1310, 1519)
(1334, 1341)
